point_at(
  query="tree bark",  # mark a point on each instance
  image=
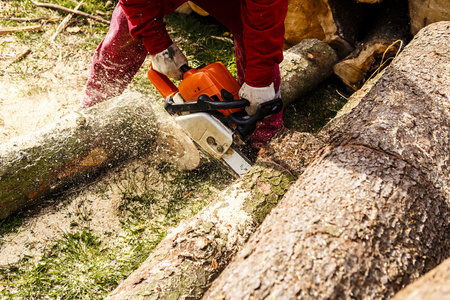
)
(191, 256)
(79, 145)
(371, 212)
(305, 66)
(425, 12)
(433, 285)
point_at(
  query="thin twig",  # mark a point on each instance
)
(44, 19)
(64, 22)
(68, 10)
(9, 30)
(19, 57)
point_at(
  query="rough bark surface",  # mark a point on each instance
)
(78, 146)
(433, 285)
(192, 254)
(371, 213)
(305, 66)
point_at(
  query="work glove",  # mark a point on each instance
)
(169, 61)
(256, 96)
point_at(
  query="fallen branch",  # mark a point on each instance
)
(20, 57)
(44, 19)
(64, 22)
(9, 30)
(72, 11)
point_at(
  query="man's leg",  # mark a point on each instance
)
(228, 12)
(115, 62)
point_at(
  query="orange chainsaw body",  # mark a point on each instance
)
(208, 80)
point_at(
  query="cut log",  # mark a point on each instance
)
(193, 254)
(334, 22)
(304, 67)
(371, 57)
(384, 38)
(185, 263)
(433, 285)
(425, 12)
(371, 213)
(79, 145)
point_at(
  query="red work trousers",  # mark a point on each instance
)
(118, 58)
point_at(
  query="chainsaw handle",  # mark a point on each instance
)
(203, 104)
(162, 83)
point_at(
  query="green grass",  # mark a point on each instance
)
(204, 40)
(82, 265)
(316, 108)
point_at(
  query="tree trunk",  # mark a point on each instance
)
(433, 285)
(305, 66)
(191, 256)
(79, 145)
(425, 12)
(371, 212)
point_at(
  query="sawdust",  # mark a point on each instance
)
(39, 89)
(94, 207)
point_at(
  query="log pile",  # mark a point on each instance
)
(367, 216)
(371, 212)
(366, 34)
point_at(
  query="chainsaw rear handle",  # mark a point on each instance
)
(162, 83)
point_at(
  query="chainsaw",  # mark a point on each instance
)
(206, 105)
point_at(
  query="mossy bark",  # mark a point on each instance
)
(193, 253)
(371, 212)
(75, 148)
